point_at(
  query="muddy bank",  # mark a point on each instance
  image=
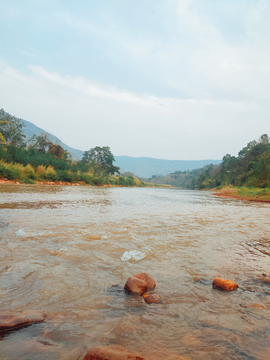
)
(233, 194)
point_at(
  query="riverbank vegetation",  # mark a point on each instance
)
(250, 169)
(248, 173)
(37, 159)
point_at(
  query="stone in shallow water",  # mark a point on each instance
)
(14, 321)
(136, 286)
(140, 283)
(224, 284)
(264, 279)
(152, 298)
(148, 279)
(112, 352)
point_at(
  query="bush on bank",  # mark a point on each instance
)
(29, 174)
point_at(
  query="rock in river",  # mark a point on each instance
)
(152, 298)
(136, 286)
(140, 283)
(148, 279)
(14, 321)
(112, 352)
(224, 284)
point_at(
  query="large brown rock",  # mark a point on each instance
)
(136, 286)
(112, 352)
(140, 283)
(148, 279)
(224, 284)
(14, 321)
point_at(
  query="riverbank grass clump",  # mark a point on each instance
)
(257, 193)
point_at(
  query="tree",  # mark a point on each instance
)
(58, 151)
(41, 143)
(2, 139)
(102, 157)
(11, 129)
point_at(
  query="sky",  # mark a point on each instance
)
(169, 79)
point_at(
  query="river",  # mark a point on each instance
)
(63, 247)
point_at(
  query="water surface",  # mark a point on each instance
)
(65, 247)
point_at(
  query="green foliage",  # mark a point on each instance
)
(41, 160)
(9, 171)
(11, 129)
(102, 158)
(182, 179)
(251, 168)
(31, 165)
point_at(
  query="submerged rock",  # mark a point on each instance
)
(116, 288)
(224, 284)
(152, 298)
(264, 278)
(136, 286)
(112, 352)
(14, 321)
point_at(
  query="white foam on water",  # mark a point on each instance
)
(21, 232)
(64, 249)
(133, 255)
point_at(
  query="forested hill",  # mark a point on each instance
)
(142, 166)
(250, 169)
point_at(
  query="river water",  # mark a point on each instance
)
(63, 248)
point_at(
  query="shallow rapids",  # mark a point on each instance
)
(62, 248)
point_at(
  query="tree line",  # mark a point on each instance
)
(251, 168)
(38, 158)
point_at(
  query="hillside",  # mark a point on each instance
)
(30, 129)
(141, 166)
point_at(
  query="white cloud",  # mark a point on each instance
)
(84, 115)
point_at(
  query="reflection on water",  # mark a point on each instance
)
(64, 247)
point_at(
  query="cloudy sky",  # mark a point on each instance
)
(171, 79)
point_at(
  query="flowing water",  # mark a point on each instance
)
(63, 248)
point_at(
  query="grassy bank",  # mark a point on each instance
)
(244, 193)
(30, 175)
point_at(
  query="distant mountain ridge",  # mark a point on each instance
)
(146, 167)
(141, 166)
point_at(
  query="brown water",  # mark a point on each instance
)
(63, 250)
